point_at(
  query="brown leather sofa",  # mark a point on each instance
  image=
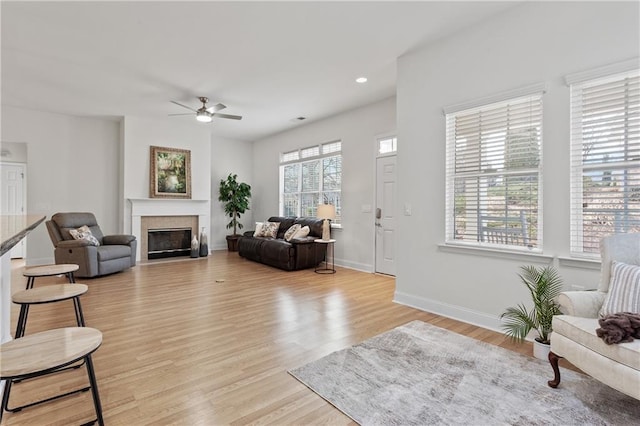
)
(299, 253)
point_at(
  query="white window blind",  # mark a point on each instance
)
(310, 152)
(330, 147)
(494, 174)
(605, 159)
(285, 157)
(315, 180)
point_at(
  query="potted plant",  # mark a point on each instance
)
(235, 196)
(545, 285)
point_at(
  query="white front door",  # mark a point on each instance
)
(385, 214)
(12, 197)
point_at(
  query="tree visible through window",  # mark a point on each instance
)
(493, 173)
(605, 159)
(309, 177)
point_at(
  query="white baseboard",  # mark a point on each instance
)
(362, 267)
(459, 313)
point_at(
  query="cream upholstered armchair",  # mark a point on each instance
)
(574, 334)
(96, 254)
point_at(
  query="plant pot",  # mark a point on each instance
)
(232, 242)
(541, 350)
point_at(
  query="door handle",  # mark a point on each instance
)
(378, 213)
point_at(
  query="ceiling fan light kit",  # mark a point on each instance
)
(203, 117)
(205, 114)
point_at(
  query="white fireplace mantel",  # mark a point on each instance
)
(167, 207)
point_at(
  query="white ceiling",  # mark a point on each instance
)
(267, 61)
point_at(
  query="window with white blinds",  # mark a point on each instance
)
(494, 174)
(605, 159)
(311, 176)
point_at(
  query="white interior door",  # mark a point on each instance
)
(12, 197)
(385, 215)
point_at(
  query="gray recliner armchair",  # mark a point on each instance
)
(113, 254)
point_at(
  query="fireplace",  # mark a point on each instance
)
(180, 224)
(168, 242)
(159, 213)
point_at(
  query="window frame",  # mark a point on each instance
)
(394, 145)
(488, 103)
(306, 155)
(604, 77)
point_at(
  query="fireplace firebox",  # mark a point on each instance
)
(168, 242)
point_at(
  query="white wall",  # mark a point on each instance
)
(212, 158)
(229, 156)
(72, 166)
(531, 43)
(139, 134)
(358, 130)
(14, 152)
(92, 164)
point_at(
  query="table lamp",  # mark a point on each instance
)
(326, 212)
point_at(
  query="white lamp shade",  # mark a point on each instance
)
(326, 211)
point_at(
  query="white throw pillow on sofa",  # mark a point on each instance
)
(302, 232)
(267, 229)
(291, 232)
(624, 290)
(84, 233)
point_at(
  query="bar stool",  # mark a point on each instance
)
(48, 294)
(48, 271)
(46, 352)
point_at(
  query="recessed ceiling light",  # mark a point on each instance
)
(361, 80)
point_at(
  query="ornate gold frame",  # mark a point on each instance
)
(170, 175)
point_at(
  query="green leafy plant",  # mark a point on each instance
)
(545, 285)
(235, 196)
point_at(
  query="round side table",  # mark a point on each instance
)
(48, 294)
(48, 271)
(330, 254)
(47, 352)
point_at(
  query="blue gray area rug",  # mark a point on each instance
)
(419, 374)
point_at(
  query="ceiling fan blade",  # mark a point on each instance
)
(233, 117)
(216, 108)
(183, 106)
(188, 113)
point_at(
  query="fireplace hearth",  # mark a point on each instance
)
(168, 242)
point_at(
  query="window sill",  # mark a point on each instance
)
(494, 252)
(579, 262)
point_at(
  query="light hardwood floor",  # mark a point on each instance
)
(182, 348)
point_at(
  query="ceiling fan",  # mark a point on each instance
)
(205, 114)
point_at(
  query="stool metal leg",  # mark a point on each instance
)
(5, 397)
(78, 309)
(53, 398)
(94, 389)
(30, 282)
(92, 386)
(71, 278)
(22, 321)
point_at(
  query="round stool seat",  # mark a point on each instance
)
(47, 350)
(50, 270)
(50, 293)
